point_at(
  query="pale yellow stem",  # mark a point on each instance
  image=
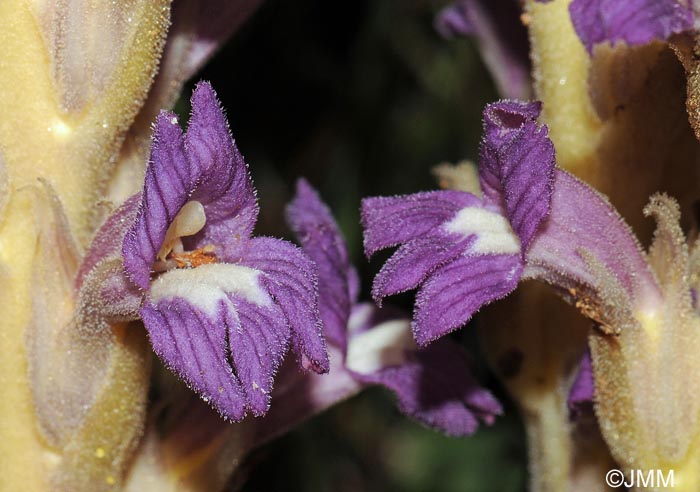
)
(549, 442)
(72, 149)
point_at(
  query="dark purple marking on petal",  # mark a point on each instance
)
(291, 279)
(258, 339)
(389, 221)
(633, 22)
(323, 242)
(169, 180)
(438, 390)
(415, 260)
(583, 219)
(194, 346)
(223, 186)
(517, 165)
(581, 394)
(453, 293)
(203, 165)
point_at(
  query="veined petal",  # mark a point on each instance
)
(321, 239)
(415, 260)
(453, 293)
(581, 219)
(203, 165)
(632, 21)
(224, 188)
(218, 329)
(291, 279)
(517, 165)
(434, 386)
(389, 221)
(258, 340)
(169, 180)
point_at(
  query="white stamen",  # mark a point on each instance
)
(188, 222)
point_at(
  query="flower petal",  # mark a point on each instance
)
(321, 239)
(517, 165)
(415, 260)
(291, 279)
(203, 165)
(220, 331)
(582, 219)
(258, 340)
(194, 347)
(224, 186)
(389, 221)
(454, 292)
(169, 180)
(633, 21)
(433, 385)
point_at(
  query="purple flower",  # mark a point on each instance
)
(500, 35)
(463, 251)
(581, 394)
(221, 307)
(633, 22)
(434, 385)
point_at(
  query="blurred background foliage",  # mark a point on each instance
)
(361, 98)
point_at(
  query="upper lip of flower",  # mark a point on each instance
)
(225, 322)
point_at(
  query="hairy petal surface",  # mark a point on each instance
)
(581, 393)
(415, 260)
(583, 220)
(633, 21)
(218, 328)
(434, 385)
(451, 296)
(224, 186)
(517, 165)
(322, 241)
(203, 165)
(389, 221)
(290, 278)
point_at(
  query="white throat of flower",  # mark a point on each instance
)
(493, 232)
